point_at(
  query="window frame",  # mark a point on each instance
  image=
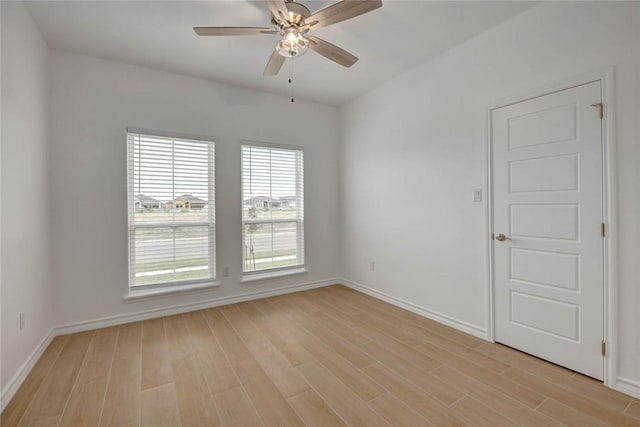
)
(300, 267)
(151, 289)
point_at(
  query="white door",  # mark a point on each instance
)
(548, 266)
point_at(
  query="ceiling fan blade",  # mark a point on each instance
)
(341, 11)
(332, 52)
(274, 64)
(232, 31)
(278, 9)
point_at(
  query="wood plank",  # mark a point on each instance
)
(77, 343)
(177, 335)
(340, 398)
(350, 352)
(295, 301)
(573, 400)
(459, 350)
(236, 409)
(421, 402)
(347, 318)
(407, 353)
(43, 421)
(104, 341)
(52, 395)
(494, 399)
(517, 391)
(350, 375)
(413, 373)
(16, 408)
(634, 409)
(280, 331)
(210, 358)
(129, 340)
(480, 415)
(195, 402)
(97, 362)
(215, 367)
(396, 412)
(122, 400)
(569, 416)
(275, 365)
(270, 404)
(594, 389)
(344, 331)
(379, 321)
(513, 357)
(415, 319)
(314, 411)
(329, 307)
(229, 341)
(85, 404)
(156, 361)
(159, 407)
(87, 398)
(322, 317)
(584, 386)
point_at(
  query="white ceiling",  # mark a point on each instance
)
(159, 34)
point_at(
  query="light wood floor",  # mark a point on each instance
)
(326, 357)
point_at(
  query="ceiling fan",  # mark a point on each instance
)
(293, 21)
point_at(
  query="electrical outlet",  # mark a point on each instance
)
(477, 194)
(372, 265)
(225, 271)
(21, 321)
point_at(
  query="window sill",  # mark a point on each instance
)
(134, 295)
(272, 275)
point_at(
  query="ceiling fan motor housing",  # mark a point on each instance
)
(297, 13)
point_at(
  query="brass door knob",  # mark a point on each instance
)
(501, 237)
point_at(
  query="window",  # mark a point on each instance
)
(171, 211)
(272, 209)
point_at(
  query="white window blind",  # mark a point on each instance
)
(272, 208)
(171, 198)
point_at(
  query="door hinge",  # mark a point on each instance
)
(600, 107)
(604, 348)
(603, 230)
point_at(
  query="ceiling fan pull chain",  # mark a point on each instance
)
(291, 79)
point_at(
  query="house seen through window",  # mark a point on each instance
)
(272, 208)
(171, 210)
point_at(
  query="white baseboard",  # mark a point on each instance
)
(104, 322)
(19, 377)
(627, 386)
(422, 311)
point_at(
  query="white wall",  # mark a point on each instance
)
(94, 101)
(412, 150)
(26, 267)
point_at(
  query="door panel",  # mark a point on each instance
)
(546, 268)
(545, 221)
(560, 319)
(557, 173)
(548, 272)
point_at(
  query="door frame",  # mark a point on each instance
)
(609, 194)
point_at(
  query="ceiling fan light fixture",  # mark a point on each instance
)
(293, 22)
(292, 43)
